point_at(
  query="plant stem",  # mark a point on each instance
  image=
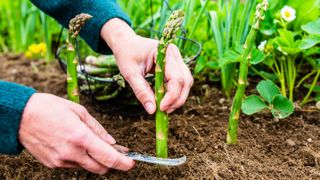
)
(305, 78)
(306, 98)
(72, 61)
(258, 73)
(168, 35)
(232, 133)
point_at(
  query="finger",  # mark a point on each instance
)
(92, 165)
(174, 87)
(142, 90)
(106, 155)
(93, 124)
(185, 90)
(69, 164)
(182, 99)
(120, 148)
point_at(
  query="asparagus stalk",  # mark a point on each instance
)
(75, 26)
(94, 70)
(102, 61)
(168, 35)
(232, 133)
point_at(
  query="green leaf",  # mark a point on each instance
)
(315, 89)
(230, 56)
(310, 41)
(282, 107)
(213, 65)
(201, 63)
(253, 104)
(312, 27)
(257, 57)
(317, 98)
(268, 90)
(286, 42)
(270, 76)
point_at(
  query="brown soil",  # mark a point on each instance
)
(267, 149)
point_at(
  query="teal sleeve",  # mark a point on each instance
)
(13, 99)
(101, 10)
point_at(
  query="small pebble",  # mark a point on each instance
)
(224, 107)
(222, 100)
(318, 105)
(309, 140)
(290, 142)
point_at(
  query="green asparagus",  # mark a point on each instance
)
(168, 35)
(75, 26)
(232, 134)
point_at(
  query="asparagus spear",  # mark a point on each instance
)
(94, 70)
(102, 61)
(232, 133)
(168, 35)
(75, 26)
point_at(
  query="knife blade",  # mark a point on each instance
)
(154, 160)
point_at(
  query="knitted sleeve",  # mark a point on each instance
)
(101, 10)
(13, 99)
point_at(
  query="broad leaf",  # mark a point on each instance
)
(268, 90)
(312, 27)
(230, 56)
(253, 104)
(317, 98)
(282, 107)
(257, 57)
(310, 41)
(286, 42)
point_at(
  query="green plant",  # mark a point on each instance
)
(232, 132)
(168, 35)
(75, 25)
(230, 25)
(22, 25)
(270, 98)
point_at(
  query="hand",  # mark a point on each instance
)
(136, 57)
(62, 134)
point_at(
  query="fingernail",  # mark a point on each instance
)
(149, 107)
(110, 139)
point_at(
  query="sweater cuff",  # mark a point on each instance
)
(91, 31)
(13, 99)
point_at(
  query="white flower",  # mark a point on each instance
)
(288, 13)
(262, 45)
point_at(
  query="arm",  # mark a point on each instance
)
(13, 99)
(101, 10)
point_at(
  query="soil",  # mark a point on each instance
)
(267, 148)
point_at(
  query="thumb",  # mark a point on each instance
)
(143, 91)
(94, 125)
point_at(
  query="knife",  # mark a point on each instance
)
(154, 160)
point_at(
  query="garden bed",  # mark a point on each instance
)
(267, 149)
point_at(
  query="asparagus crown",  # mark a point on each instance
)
(172, 26)
(77, 23)
(260, 13)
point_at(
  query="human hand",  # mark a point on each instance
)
(62, 134)
(136, 57)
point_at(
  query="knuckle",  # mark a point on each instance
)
(82, 110)
(113, 161)
(141, 94)
(78, 138)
